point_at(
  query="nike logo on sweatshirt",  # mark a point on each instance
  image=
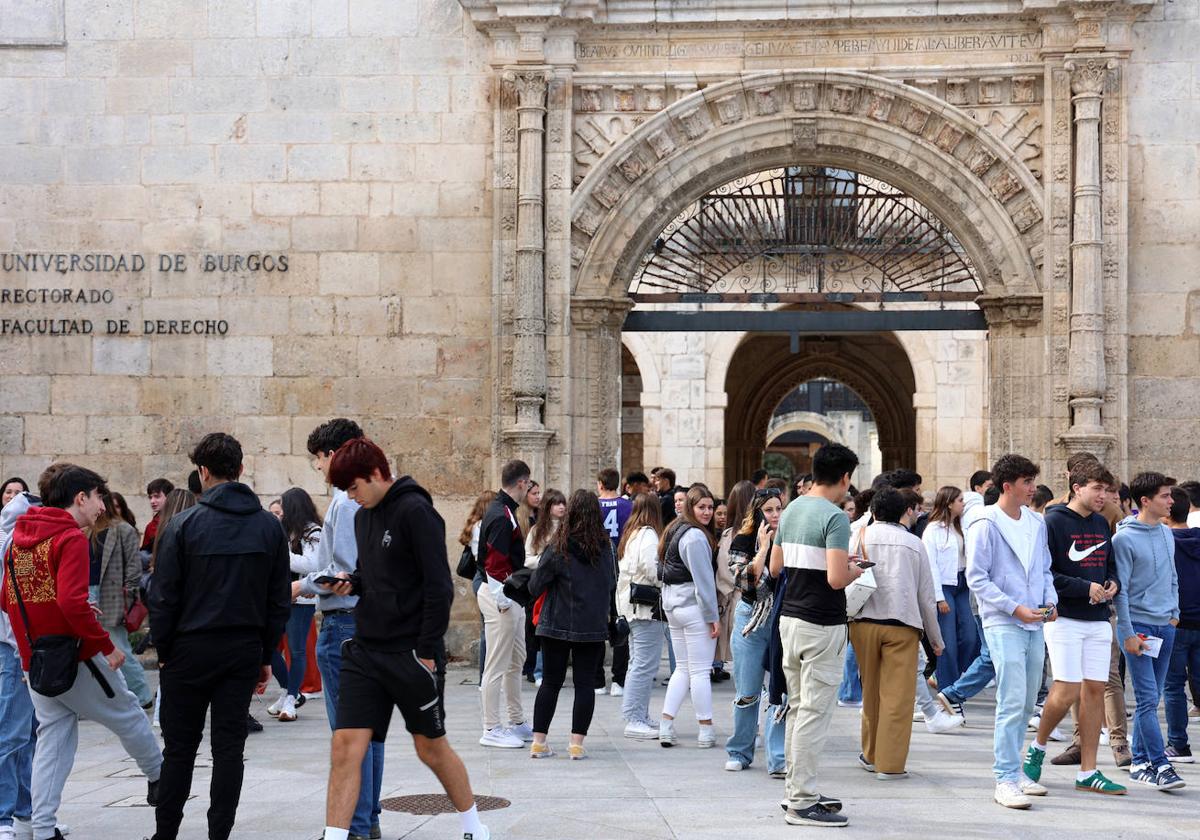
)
(1077, 556)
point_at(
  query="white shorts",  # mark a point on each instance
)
(1079, 650)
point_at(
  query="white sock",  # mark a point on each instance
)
(470, 821)
(332, 833)
(1084, 775)
(1037, 746)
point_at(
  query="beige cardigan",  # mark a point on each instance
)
(904, 583)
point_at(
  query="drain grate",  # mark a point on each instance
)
(427, 804)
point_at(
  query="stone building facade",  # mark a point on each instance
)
(429, 214)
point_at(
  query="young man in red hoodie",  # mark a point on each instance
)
(46, 594)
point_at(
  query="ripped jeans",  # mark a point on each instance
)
(748, 678)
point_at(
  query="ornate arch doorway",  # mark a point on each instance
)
(813, 414)
(981, 239)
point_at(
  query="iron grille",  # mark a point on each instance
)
(806, 233)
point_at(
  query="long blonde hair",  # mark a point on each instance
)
(646, 513)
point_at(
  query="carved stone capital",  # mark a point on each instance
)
(1097, 442)
(597, 312)
(1022, 310)
(1088, 75)
(530, 85)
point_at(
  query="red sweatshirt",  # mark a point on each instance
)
(50, 554)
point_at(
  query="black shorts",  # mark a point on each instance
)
(373, 682)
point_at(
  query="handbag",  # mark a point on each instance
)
(135, 614)
(861, 588)
(53, 660)
(618, 631)
(466, 567)
(645, 594)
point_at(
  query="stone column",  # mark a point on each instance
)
(1016, 359)
(1086, 369)
(596, 398)
(528, 437)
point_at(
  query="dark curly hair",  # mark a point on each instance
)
(329, 437)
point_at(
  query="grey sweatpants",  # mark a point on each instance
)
(58, 736)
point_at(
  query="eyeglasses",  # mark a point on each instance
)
(768, 493)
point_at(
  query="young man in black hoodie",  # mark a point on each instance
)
(397, 656)
(1185, 654)
(1080, 641)
(220, 598)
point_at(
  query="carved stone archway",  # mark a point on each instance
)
(977, 186)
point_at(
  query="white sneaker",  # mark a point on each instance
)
(641, 731)
(482, 834)
(733, 765)
(1031, 788)
(1056, 734)
(942, 723)
(537, 682)
(706, 738)
(666, 733)
(287, 712)
(501, 737)
(918, 715)
(1104, 736)
(23, 829)
(1035, 722)
(523, 731)
(616, 690)
(850, 704)
(601, 691)
(273, 709)
(1009, 795)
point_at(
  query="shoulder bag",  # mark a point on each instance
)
(135, 613)
(861, 588)
(466, 567)
(53, 660)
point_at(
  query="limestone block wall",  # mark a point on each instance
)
(350, 138)
(1164, 250)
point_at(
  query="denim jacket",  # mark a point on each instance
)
(579, 594)
(998, 579)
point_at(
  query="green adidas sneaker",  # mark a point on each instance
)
(1098, 784)
(1033, 763)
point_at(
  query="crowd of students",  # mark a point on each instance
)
(816, 594)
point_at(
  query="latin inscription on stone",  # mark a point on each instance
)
(766, 48)
(36, 308)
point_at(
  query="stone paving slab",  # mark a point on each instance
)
(630, 789)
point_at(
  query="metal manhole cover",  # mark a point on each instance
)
(438, 803)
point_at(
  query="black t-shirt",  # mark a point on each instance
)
(744, 544)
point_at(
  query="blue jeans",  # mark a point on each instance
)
(645, 652)
(18, 734)
(335, 631)
(132, 670)
(748, 676)
(296, 630)
(958, 632)
(1185, 665)
(1019, 656)
(977, 676)
(850, 690)
(1148, 676)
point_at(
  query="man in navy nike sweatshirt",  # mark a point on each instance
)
(1185, 656)
(1080, 642)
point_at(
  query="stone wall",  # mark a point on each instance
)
(352, 137)
(1164, 253)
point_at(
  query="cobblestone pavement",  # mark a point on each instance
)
(630, 789)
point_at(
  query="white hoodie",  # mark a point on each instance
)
(8, 521)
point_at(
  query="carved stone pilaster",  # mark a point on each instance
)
(529, 327)
(596, 348)
(1086, 367)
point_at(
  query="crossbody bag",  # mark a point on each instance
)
(53, 660)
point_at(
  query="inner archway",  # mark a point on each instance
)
(876, 380)
(815, 413)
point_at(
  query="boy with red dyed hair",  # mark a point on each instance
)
(397, 657)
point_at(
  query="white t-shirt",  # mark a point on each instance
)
(1193, 520)
(1019, 533)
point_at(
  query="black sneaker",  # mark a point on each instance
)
(1168, 779)
(152, 793)
(830, 803)
(1180, 754)
(817, 815)
(301, 700)
(253, 725)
